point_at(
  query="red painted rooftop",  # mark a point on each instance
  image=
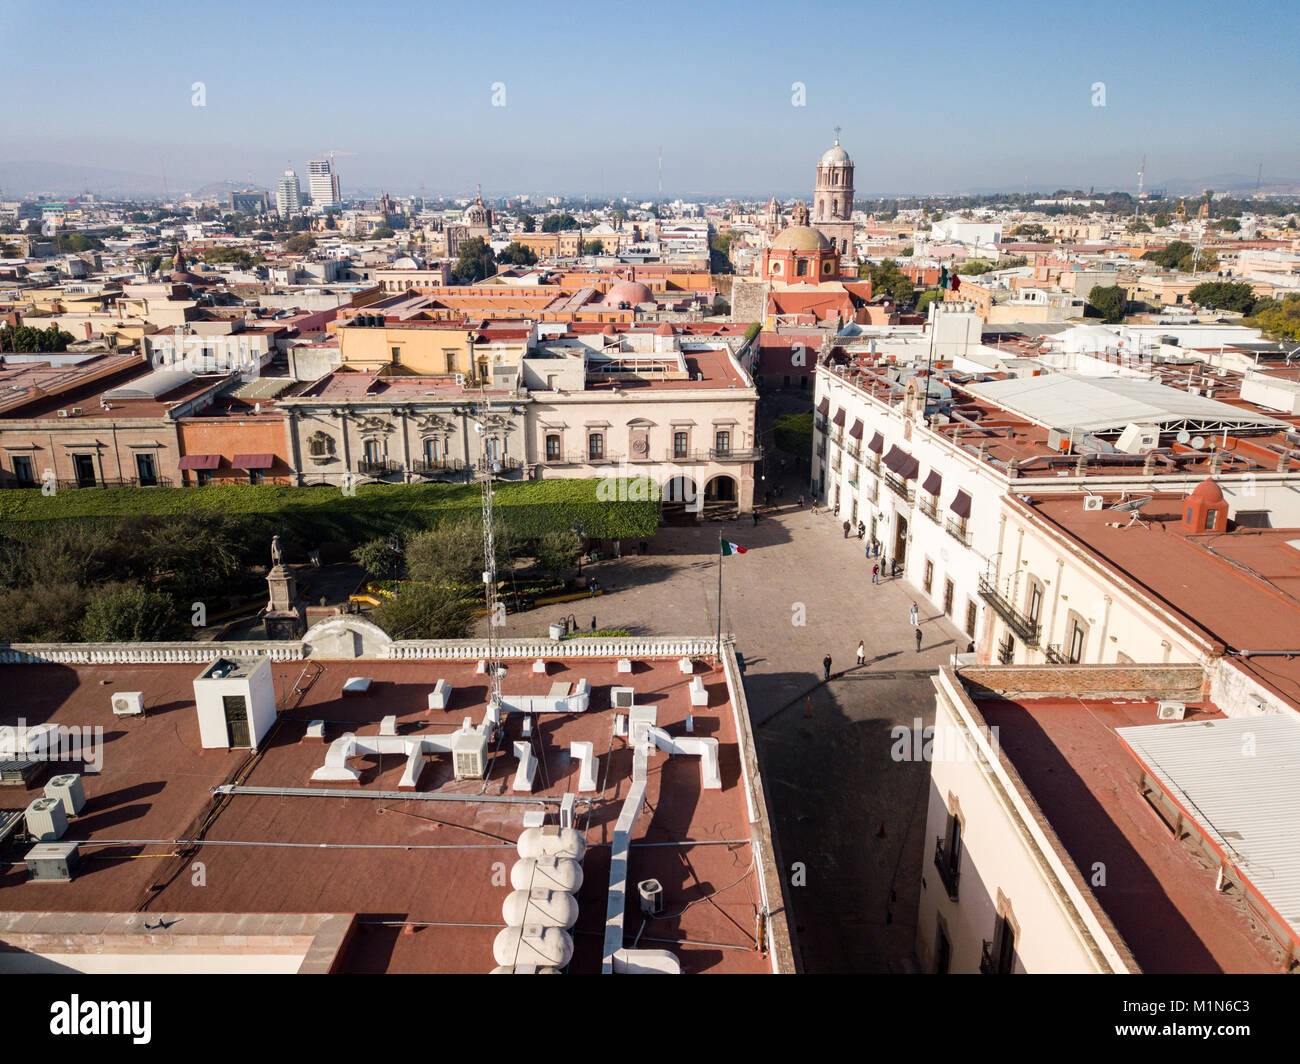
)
(1159, 894)
(398, 860)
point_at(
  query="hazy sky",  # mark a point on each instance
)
(932, 97)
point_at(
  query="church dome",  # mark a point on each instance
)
(800, 238)
(1207, 492)
(835, 156)
(633, 292)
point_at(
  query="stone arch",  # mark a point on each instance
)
(722, 487)
(345, 636)
(679, 489)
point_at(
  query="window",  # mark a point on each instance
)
(928, 581)
(1211, 519)
(145, 470)
(722, 442)
(680, 443)
(494, 449)
(1035, 602)
(320, 445)
(372, 451)
(395, 354)
(1078, 637)
(24, 472)
(433, 450)
(450, 359)
(947, 597)
(1000, 955)
(553, 447)
(947, 855)
(970, 617)
(596, 446)
(942, 952)
(254, 476)
(83, 466)
(802, 269)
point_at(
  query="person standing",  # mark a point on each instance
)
(915, 615)
(875, 573)
(846, 529)
(918, 639)
(593, 622)
(826, 667)
(862, 651)
(801, 502)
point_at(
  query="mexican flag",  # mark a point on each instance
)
(949, 281)
(729, 548)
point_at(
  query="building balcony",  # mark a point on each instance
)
(1018, 622)
(821, 450)
(872, 463)
(852, 450)
(837, 437)
(733, 454)
(927, 507)
(946, 866)
(835, 462)
(958, 531)
(1052, 652)
(1007, 651)
(899, 487)
(377, 467)
(433, 467)
(500, 467)
(107, 482)
(819, 423)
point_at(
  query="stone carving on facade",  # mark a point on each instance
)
(434, 425)
(321, 447)
(373, 425)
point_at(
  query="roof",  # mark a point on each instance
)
(1247, 806)
(1108, 404)
(800, 238)
(425, 859)
(1160, 891)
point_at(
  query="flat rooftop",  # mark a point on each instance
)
(1240, 589)
(1159, 891)
(435, 863)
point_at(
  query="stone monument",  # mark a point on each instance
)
(283, 618)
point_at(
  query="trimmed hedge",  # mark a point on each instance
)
(315, 515)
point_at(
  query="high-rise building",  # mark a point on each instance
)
(322, 182)
(288, 196)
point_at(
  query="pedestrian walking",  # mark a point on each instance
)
(915, 615)
(862, 651)
(862, 530)
(593, 622)
(826, 667)
(918, 639)
(875, 573)
(846, 529)
(801, 502)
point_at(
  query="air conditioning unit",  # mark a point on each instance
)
(64, 413)
(68, 790)
(46, 821)
(128, 703)
(622, 697)
(469, 755)
(53, 862)
(1169, 710)
(75, 411)
(1092, 502)
(460, 380)
(652, 896)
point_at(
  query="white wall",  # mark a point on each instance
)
(255, 684)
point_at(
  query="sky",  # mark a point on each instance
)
(578, 98)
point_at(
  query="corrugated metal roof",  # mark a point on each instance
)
(1107, 404)
(1239, 779)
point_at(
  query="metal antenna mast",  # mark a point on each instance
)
(485, 468)
(1137, 204)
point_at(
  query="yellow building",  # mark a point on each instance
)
(433, 349)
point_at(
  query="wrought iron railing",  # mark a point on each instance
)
(899, 486)
(376, 467)
(949, 874)
(1052, 652)
(958, 531)
(1018, 622)
(927, 507)
(1007, 651)
(433, 466)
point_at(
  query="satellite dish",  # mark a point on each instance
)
(1198, 442)
(1183, 436)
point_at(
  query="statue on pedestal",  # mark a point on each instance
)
(277, 556)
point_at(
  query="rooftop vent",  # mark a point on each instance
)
(53, 862)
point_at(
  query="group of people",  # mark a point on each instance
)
(913, 615)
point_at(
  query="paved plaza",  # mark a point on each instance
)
(800, 592)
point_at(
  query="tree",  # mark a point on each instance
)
(425, 611)
(41, 613)
(474, 263)
(593, 247)
(554, 223)
(1138, 226)
(557, 551)
(300, 243)
(29, 339)
(1280, 319)
(381, 558)
(187, 556)
(516, 254)
(127, 613)
(382, 232)
(886, 278)
(452, 552)
(926, 298)
(1224, 295)
(71, 243)
(1228, 225)
(1171, 255)
(1161, 219)
(1107, 302)
(528, 222)
(1030, 231)
(975, 267)
(241, 258)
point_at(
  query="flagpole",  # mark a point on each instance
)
(719, 597)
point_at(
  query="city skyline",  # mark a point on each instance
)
(737, 109)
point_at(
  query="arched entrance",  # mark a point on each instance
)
(720, 495)
(680, 500)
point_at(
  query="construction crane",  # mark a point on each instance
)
(331, 154)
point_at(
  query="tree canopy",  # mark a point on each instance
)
(1224, 295)
(474, 262)
(554, 223)
(516, 254)
(1107, 302)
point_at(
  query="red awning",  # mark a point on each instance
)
(199, 461)
(856, 432)
(900, 462)
(877, 443)
(824, 407)
(839, 418)
(253, 461)
(933, 483)
(961, 505)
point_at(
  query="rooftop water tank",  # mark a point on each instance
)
(555, 873)
(552, 841)
(541, 905)
(533, 944)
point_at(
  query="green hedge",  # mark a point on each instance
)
(313, 515)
